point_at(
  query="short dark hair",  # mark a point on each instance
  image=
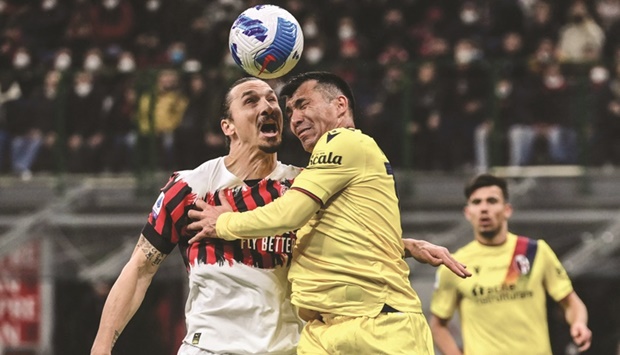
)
(484, 180)
(225, 108)
(325, 79)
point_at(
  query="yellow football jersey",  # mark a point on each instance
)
(502, 307)
(349, 256)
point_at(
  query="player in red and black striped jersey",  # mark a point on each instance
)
(239, 296)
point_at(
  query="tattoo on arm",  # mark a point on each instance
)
(116, 335)
(152, 254)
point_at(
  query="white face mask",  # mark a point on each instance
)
(110, 4)
(63, 61)
(92, 62)
(126, 65)
(346, 32)
(21, 60)
(152, 5)
(48, 4)
(465, 56)
(192, 66)
(554, 81)
(311, 30)
(599, 75)
(313, 55)
(469, 16)
(503, 90)
(83, 89)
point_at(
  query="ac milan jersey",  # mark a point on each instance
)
(239, 297)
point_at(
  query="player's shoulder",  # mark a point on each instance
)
(200, 178)
(339, 135)
(285, 171)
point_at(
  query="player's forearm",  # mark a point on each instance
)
(443, 338)
(575, 310)
(123, 301)
(287, 213)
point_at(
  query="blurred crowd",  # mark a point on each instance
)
(98, 86)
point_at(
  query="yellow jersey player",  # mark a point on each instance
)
(349, 279)
(502, 307)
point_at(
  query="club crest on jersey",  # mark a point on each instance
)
(523, 264)
(323, 158)
(157, 205)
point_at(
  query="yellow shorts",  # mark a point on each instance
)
(388, 333)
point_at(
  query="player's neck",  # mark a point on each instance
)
(247, 166)
(497, 240)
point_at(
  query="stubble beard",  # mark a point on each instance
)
(271, 147)
(489, 234)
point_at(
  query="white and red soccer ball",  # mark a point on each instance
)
(266, 41)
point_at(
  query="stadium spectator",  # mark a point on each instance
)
(112, 23)
(581, 40)
(46, 107)
(160, 112)
(189, 135)
(543, 24)
(85, 126)
(550, 137)
(427, 115)
(466, 95)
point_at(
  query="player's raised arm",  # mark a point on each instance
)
(126, 295)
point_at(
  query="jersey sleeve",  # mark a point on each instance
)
(557, 282)
(336, 161)
(168, 215)
(445, 296)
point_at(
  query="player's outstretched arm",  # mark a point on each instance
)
(126, 295)
(576, 315)
(429, 253)
(442, 337)
(287, 213)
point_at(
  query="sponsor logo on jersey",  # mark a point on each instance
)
(489, 294)
(157, 205)
(324, 158)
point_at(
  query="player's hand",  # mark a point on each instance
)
(205, 217)
(582, 335)
(429, 253)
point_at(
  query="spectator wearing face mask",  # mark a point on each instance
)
(93, 61)
(511, 104)
(25, 134)
(85, 124)
(581, 39)
(606, 134)
(550, 138)
(469, 24)
(25, 70)
(63, 60)
(160, 112)
(466, 104)
(46, 110)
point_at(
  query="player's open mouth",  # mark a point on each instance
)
(269, 129)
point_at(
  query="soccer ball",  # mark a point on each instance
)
(266, 41)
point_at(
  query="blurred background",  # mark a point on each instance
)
(100, 100)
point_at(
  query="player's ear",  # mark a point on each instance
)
(228, 126)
